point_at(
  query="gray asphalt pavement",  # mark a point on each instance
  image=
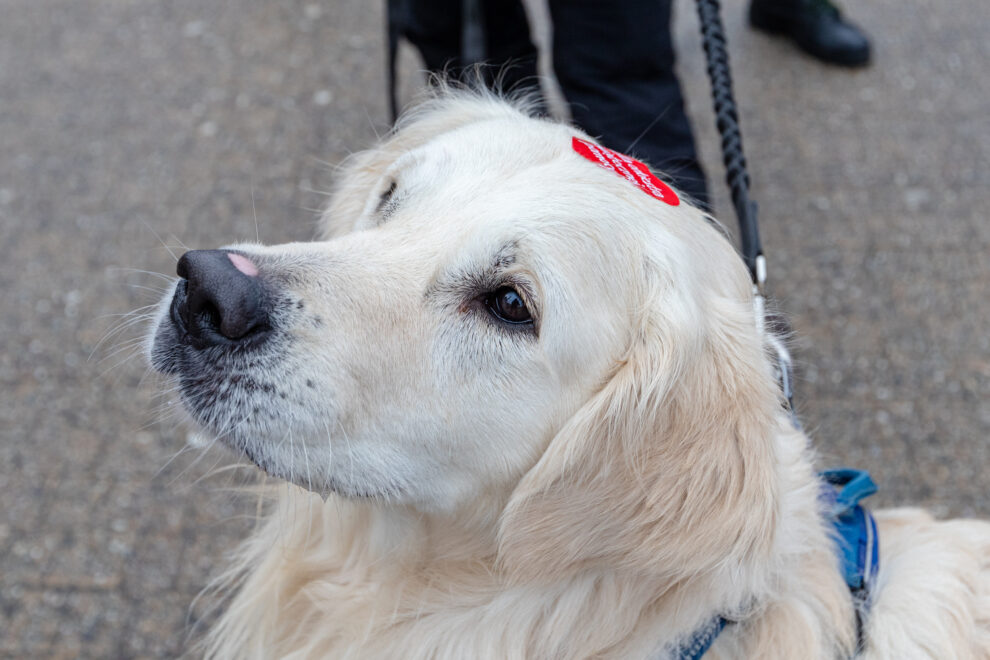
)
(203, 123)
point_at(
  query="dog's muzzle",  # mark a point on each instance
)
(220, 300)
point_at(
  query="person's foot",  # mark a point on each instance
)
(816, 26)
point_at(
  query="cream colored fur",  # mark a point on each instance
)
(597, 490)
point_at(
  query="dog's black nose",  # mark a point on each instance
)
(222, 297)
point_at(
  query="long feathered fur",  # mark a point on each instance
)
(678, 490)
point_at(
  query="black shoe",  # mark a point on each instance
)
(816, 26)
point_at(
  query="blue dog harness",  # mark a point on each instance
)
(856, 544)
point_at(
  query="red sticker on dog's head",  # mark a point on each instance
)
(630, 169)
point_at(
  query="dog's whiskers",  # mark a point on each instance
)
(127, 320)
(167, 278)
(156, 235)
(254, 211)
(179, 241)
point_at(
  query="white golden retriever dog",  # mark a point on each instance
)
(542, 420)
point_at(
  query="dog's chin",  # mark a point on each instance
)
(295, 464)
(287, 456)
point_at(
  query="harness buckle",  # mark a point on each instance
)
(855, 527)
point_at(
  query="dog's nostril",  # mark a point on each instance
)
(223, 297)
(210, 316)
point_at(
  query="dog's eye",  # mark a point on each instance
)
(507, 305)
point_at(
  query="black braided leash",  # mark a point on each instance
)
(737, 176)
(727, 121)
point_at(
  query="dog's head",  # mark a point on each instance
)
(494, 318)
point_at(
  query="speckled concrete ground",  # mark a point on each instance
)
(123, 120)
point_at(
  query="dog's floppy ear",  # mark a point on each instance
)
(445, 109)
(670, 467)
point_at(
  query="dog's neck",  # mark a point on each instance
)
(355, 575)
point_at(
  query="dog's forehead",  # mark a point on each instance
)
(500, 146)
(521, 156)
(497, 187)
(514, 168)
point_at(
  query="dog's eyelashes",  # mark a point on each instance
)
(387, 194)
(507, 306)
(385, 205)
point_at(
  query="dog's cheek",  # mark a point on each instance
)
(499, 415)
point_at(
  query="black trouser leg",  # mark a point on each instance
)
(434, 27)
(615, 65)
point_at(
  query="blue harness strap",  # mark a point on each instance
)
(855, 528)
(856, 544)
(701, 640)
